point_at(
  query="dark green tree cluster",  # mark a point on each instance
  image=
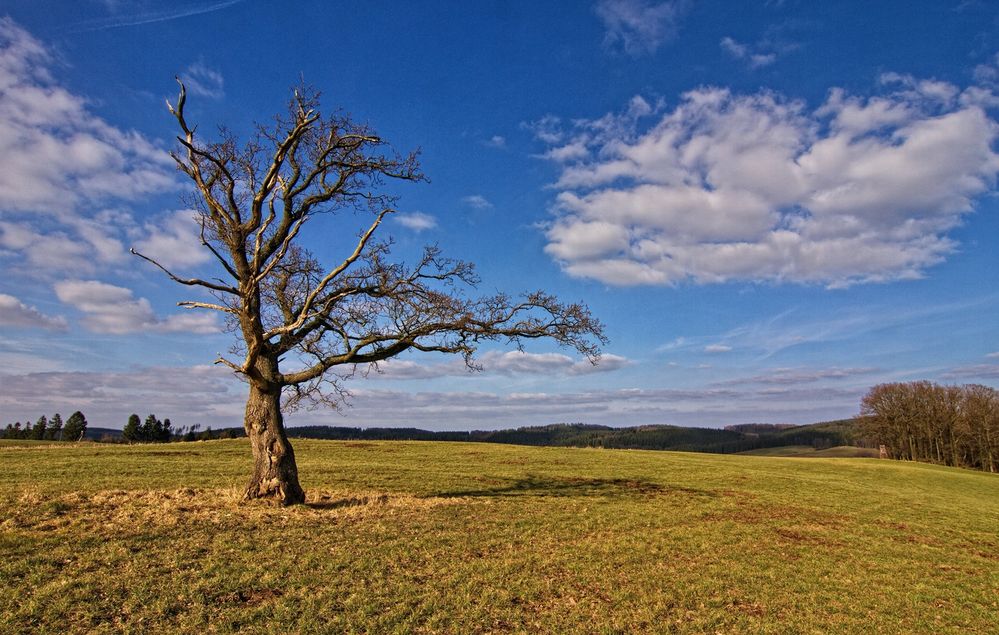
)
(924, 421)
(152, 430)
(49, 429)
(650, 437)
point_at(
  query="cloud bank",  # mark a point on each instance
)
(759, 187)
(500, 363)
(111, 309)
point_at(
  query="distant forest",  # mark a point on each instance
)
(735, 438)
(654, 437)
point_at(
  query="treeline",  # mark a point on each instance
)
(733, 439)
(154, 430)
(151, 431)
(924, 421)
(52, 429)
(656, 437)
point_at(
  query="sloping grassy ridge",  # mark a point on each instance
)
(462, 538)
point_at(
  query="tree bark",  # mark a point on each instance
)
(275, 473)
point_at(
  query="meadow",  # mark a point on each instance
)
(430, 537)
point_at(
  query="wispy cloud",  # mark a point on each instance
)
(476, 201)
(204, 81)
(791, 328)
(128, 15)
(416, 221)
(751, 55)
(496, 141)
(14, 313)
(794, 376)
(717, 348)
(639, 27)
(976, 371)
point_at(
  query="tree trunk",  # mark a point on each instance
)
(275, 473)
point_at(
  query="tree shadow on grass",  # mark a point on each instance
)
(570, 487)
(327, 502)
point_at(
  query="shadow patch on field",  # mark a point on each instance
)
(547, 486)
(250, 597)
(327, 502)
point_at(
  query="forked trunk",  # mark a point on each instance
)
(275, 474)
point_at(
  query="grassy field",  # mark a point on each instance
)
(403, 537)
(803, 451)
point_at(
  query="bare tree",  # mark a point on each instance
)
(924, 421)
(303, 326)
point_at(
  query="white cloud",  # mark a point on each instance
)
(174, 241)
(15, 313)
(793, 376)
(993, 355)
(111, 309)
(210, 395)
(753, 56)
(639, 27)
(476, 201)
(203, 81)
(54, 153)
(417, 221)
(976, 371)
(59, 166)
(757, 187)
(519, 362)
(988, 73)
(500, 363)
(496, 141)
(547, 129)
(207, 395)
(573, 144)
(627, 406)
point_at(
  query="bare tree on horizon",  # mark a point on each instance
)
(303, 326)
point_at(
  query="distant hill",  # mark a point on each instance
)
(733, 439)
(805, 451)
(760, 428)
(100, 434)
(729, 440)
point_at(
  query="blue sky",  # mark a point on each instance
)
(772, 205)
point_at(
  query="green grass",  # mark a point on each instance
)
(404, 537)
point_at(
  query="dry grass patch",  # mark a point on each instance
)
(109, 512)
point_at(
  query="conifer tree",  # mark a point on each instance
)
(38, 432)
(75, 428)
(150, 429)
(132, 431)
(55, 428)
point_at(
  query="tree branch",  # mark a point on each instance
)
(188, 281)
